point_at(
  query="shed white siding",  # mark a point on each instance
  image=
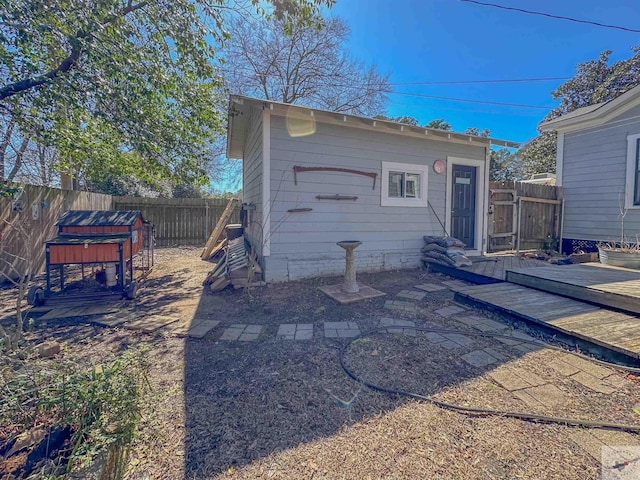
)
(304, 244)
(252, 179)
(593, 179)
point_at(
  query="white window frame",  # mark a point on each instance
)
(411, 168)
(632, 143)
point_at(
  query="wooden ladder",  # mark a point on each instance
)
(217, 231)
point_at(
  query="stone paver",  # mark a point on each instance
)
(525, 348)
(592, 383)
(456, 285)
(616, 381)
(295, 331)
(479, 358)
(450, 310)
(341, 329)
(458, 339)
(411, 295)
(434, 337)
(548, 395)
(449, 345)
(401, 305)
(526, 397)
(242, 332)
(430, 287)
(231, 333)
(562, 367)
(508, 379)
(587, 366)
(587, 442)
(495, 354)
(509, 341)
(404, 327)
(482, 324)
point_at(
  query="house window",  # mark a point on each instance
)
(632, 196)
(404, 184)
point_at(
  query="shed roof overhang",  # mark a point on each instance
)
(240, 106)
(594, 115)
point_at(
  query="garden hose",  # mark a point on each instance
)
(488, 411)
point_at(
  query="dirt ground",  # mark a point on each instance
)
(285, 409)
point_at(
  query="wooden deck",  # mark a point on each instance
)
(489, 268)
(613, 287)
(610, 329)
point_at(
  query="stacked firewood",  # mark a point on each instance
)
(235, 266)
(445, 251)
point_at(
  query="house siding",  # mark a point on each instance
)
(252, 179)
(304, 244)
(594, 176)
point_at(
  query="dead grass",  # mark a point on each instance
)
(285, 409)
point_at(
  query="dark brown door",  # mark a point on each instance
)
(463, 204)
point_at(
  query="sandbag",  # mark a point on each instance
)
(460, 260)
(431, 239)
(450, 242)
(434, 247)
(439, 256)
(428, 260)
(455, 251)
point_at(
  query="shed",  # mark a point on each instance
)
(598, 168)
(313, 177)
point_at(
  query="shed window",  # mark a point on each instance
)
(404, 185)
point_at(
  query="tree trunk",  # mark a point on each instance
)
(19, 158)
(6, 139)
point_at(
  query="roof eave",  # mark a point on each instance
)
(600, 115)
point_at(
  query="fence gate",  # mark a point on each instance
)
(503, 219)
(524, 216)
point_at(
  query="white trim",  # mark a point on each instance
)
(485, 204)
(632, 142)
(422, 170)
(598, 116)
(266, 183)
(481, 197)
(559, 158)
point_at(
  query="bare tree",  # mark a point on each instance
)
(307, 65)
(16, 268)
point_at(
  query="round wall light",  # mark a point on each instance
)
(439, 166)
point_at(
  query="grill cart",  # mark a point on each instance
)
(119, 243)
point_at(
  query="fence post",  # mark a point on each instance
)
(206, 216)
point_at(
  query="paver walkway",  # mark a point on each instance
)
(295, 331)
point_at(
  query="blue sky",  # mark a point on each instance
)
(450, 40)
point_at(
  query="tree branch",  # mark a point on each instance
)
(68, 63)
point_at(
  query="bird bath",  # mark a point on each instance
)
(349, 291)
(350, 285)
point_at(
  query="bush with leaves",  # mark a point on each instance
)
(101, 405)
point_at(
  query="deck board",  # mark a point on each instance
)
(613, 287)
(490, 268)
(611, 329)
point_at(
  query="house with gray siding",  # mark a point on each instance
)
(312, 178)
(598, 168)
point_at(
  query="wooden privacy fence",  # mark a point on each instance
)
(524, 216)
(178, 221)
(28, 218)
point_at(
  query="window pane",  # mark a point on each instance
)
(413, 185)
(636, 198)
(395, 184)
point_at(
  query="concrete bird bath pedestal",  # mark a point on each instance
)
(349, 290)
(350, 285)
